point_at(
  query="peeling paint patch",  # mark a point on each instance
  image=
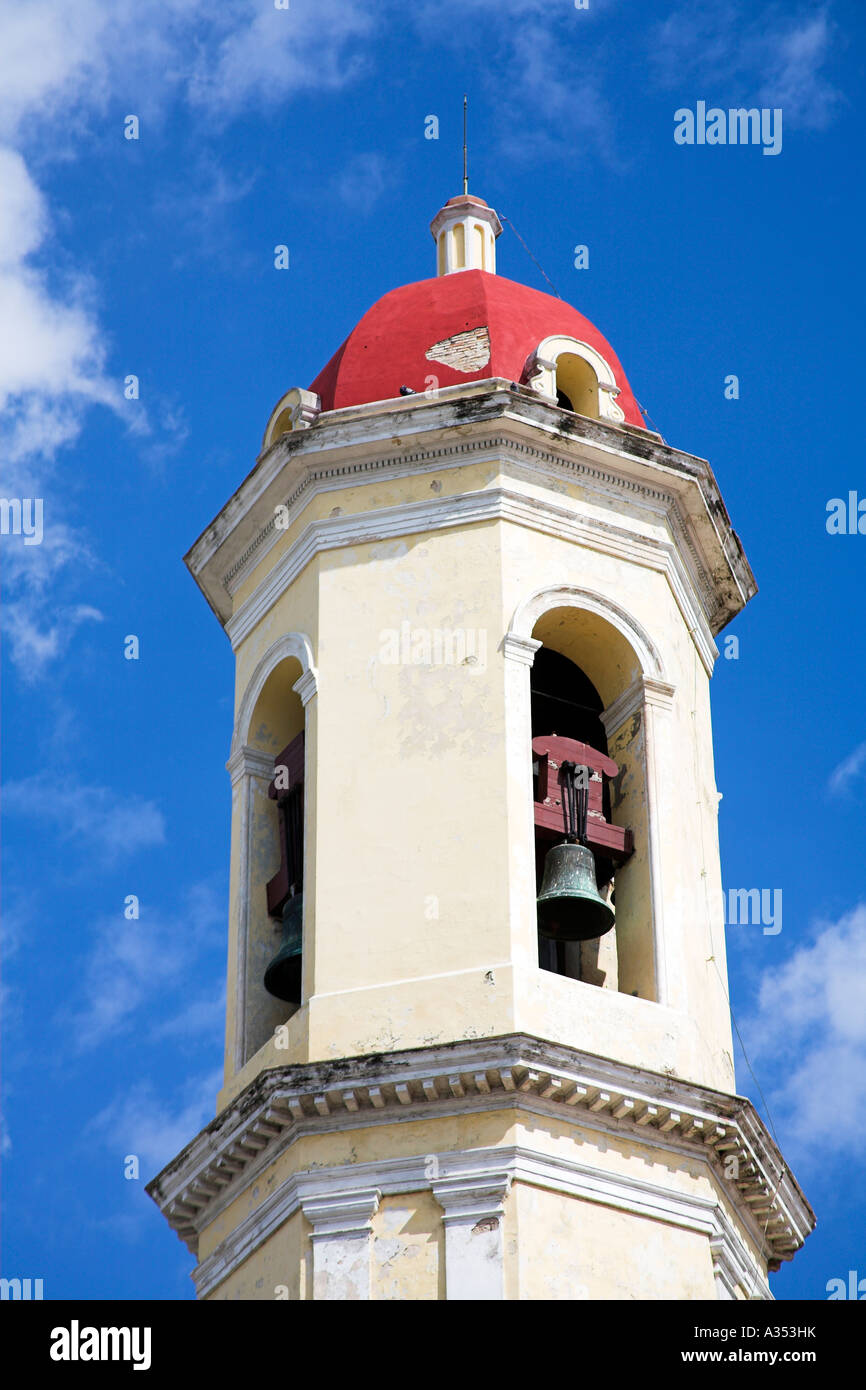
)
(465, 352)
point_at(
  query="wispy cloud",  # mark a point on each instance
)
(568, 101)
(134, 969)
(154, 1129)
(363, 181)
(101, 821)
(269, 55)
(848, 770)
(742, 57)
(808, 1033)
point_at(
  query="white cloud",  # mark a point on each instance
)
(51, 353)
(52, 368)
(99, 819)
(58, 61)
(809, 1032)
(848, 770)
(62, 65)
(270, 55)
(37, 627)
(794, 78)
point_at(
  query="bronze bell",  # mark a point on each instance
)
(283, 975)
(570, 907)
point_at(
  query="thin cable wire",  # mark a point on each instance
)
(530, 255)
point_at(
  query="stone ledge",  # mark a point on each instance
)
(492, 1073)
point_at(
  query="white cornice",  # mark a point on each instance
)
(346, 447)
(510, 1072)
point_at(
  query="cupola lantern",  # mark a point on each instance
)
(465, 232)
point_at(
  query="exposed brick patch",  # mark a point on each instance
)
(465, 352)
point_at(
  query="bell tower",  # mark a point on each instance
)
(478, 1041)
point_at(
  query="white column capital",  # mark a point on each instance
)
(657, 693)
(250, 762)
(341, 1213)
(643, 691)
(521, 649)
(473, 1206)
(472, 1196)
(342, 1240)
(307, 685)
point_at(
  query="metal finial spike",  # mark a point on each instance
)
(465, 165)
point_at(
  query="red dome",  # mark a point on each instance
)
(387, 348)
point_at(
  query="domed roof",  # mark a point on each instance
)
(415, 332)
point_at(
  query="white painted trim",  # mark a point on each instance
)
(527, 459)
(345, 444)
(341, 1238)
(291, 644)
(654, 837)
(623, 707)
(472, 1186)
(340, 1213)
(649, 687)
(245, 766)
(503, 504)
(647, 695)
(465, 214)
(530, 609)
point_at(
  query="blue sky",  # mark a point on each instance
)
(155, 258)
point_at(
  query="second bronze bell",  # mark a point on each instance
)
(283, 975)
(570, 907)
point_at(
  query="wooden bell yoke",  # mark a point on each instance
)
(549, 752)
(287, 789)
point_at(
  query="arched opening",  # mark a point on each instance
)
(282, 425)
(576, 376)
(276, 852)
(576, 385)
(566, 709)
(582, 668)
(459, 247)
(478, 235)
